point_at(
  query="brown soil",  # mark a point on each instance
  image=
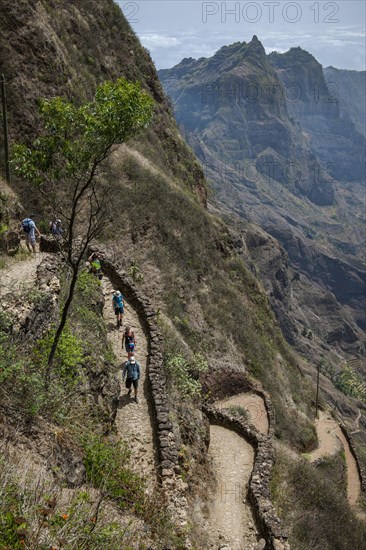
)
(19, 273)
(230, 518)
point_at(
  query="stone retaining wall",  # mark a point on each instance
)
(259, 489)
(168, 454)
(269, 408)
(361, 470)
(259, 486)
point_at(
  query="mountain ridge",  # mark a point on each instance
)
(261, 154)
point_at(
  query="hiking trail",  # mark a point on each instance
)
(331, 440)
(231, 521)
(16, 280)
(133, 420)
(18, 273)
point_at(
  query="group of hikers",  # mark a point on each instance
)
(131, 368)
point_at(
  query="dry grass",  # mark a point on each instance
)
(313, 505)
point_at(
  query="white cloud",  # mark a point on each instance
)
(154, 41)
(270, 49)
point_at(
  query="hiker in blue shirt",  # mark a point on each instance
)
(132, 370)
(118, 306)
(30, 229)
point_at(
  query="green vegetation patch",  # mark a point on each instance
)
(106, 464)
(351, 383)
(185, 373)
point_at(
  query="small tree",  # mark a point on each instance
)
(65, 164)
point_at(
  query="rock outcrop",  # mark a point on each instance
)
(334, 138)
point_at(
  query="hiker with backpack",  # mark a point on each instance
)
(132, 370)
(118, 306)
(30, 229)
(129, 341)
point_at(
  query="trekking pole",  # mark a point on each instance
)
(5, 126)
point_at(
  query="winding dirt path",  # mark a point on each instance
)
(133, 420)
(231, 520)
(254, 405)
(331, 439)
(230, 517)
(357, 422)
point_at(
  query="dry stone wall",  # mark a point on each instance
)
(361, 470)
(269, 524)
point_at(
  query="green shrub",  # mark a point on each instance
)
(36, 515)
(185, 373)
(12, 525)
(238, 411)
(105, 462)
(88, 286)
(68, 356)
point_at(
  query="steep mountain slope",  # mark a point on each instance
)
(232, 103)
(255, 124)
(333, 137)
(42, 56)
(193, 268)
(349, 87)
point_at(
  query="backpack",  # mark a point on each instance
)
(118, 300)
(26, 225)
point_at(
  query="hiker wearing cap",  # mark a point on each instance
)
(131, 371)
(129, 341)
(30, 229)
(118, 306)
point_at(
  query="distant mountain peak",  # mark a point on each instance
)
(297, 54)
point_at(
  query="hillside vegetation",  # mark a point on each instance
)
(195, 269)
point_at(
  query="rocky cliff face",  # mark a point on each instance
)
(349, 87)
(316, 106)
(235, 105)
(277, 148)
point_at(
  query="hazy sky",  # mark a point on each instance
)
(334, 32)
